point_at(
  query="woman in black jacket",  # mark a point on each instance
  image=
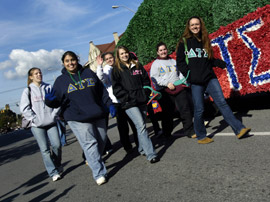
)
(128, 79)
(202, 77)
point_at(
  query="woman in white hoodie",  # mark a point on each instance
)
(43, 122)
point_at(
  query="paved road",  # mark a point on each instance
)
(226, 170)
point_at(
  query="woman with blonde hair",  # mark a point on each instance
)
(43, 122)
(128, 79)
(202, 77)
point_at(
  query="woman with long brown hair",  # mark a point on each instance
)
(128, 79)
(202, 77)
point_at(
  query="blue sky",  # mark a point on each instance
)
(37, 32)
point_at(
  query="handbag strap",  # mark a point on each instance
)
(29, 96)
(186, 49)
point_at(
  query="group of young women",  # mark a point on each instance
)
(85, 98)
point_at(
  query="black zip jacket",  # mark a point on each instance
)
(128, 85)
(201, 68)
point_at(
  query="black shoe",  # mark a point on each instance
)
(154, 160)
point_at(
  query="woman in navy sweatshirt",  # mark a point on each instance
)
(82, 97)
(202, 77)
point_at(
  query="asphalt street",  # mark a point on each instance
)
(226, 170)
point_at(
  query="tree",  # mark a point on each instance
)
(157, 21)
(7, 118)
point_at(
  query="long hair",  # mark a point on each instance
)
(118, 60)
(30, 73)
(203, 36)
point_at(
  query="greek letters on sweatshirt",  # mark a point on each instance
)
(128, 85)
(201, 68)
(80, 101)
(39, 114)
(163, 72)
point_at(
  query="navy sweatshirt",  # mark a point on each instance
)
(82, 103)
(201, 68)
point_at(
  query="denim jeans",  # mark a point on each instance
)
(214, 90)
(122, 124)
(138, 116)
(62, 131)
(45, 136)
(92, 138)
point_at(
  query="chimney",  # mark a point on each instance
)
(116, 38)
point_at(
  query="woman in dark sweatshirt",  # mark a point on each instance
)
(202, 77)
(128, 79)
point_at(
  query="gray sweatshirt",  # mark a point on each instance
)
(39, 114)
(163, 72)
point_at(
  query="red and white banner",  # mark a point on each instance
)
(245, 46)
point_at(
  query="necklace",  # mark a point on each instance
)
(76, 82)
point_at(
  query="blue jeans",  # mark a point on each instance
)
(92, 138)
(138, 115)
(214, 90)
(45, 136)
(62, 131)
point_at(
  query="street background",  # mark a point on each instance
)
(226, 170)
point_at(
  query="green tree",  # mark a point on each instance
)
(158, 20)
(7, 119)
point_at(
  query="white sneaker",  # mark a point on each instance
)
(101, 180)
(56, 177)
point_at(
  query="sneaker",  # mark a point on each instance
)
(243, 132)
(205, 140)
(154, 160)
(56, 177)
(101, 180)
(109, 151)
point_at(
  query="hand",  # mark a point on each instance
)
(112, 111)
(49, 94)
(99, 60)
(171, 86)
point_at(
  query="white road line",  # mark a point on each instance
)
(232, 134)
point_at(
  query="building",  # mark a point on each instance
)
(95, 50)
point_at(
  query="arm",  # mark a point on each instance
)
(103, 73)
(119, 92)
(25, 107)
(104, 93)
(100, 73)
(218, 63)
(181, 60)
(56, 96)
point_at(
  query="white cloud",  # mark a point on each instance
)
(20, 61)
(60, 10)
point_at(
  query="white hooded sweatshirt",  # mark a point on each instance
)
(39, 114)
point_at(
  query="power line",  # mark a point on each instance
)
(19, 88)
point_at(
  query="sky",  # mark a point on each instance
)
(35, 33)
